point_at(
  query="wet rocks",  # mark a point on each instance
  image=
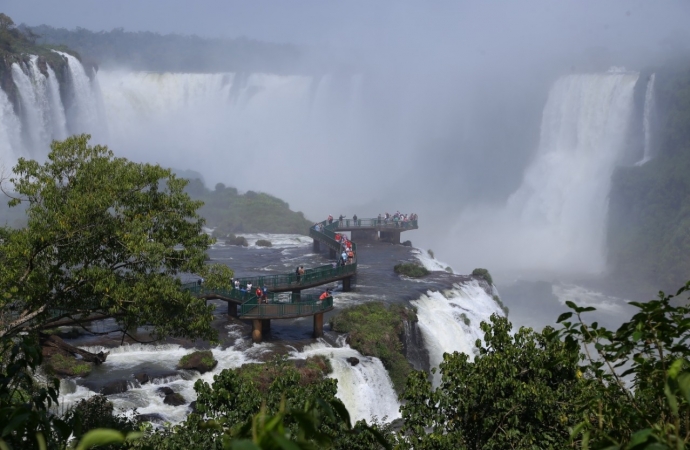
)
(165, 390)
(142, 378)
(201, 361)
(152, 417)
(114, 387)
(353, 360)
(174, 399)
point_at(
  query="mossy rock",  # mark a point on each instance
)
(201, 361)
(263, 243)
(375, 329)
(483, 273)
(411, 270)
(68, 366)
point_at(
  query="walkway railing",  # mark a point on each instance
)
(376, 223)
(299, 305)
(286, 304)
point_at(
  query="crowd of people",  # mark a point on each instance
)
(398, 219)
(245, 289)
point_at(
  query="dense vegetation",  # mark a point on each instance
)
(649, 216)
(483, 273)
(411, 270)
(375, 329)
(172, 52)
(252, 212)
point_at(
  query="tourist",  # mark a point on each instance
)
(298, 274)
(237, 284)
(330, 219)
(249, 287)
(259, 294)
(350, 256)
(264, 297)
(354, 220)
(379, 219)
(325, 295)
(301, 271)
(343, 256)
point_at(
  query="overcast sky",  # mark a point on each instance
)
(355, 21)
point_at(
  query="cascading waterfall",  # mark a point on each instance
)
(555, 221)
(33, 103)
(649, 107)
(82, 110)
(10, 134)
(58, 119)
(365, 389)
(449, 320)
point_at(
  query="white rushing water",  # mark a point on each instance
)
(365, 389)
(449, 320)
(647, 117)
(555, 221)
(82, 109)
(124, 361)
(10, 135)
(58, 118)
(33, 104)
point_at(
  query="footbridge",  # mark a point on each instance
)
(285, 299)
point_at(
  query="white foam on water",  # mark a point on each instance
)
(282, 241)
(365, 389)
(146, 397)
(429, 262)
(443, 326)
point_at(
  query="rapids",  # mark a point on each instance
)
(366, 389)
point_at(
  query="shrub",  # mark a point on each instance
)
(97, 412)
(483, 273)
(202, 361)
(449, 269)
(498, 300)
(263, 243)
(375, 330)
(68, 366)
(431, 253)
(411, 270)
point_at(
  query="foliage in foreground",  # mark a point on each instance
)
(107, 236)
(375, 330)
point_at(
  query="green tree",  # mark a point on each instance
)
(104, 236)
(520, 392)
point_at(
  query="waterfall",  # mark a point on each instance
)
(82, 110)
(555, 221)
(33, 103)
(58, 119)
(10, 135)
(449, 320)
(365, 389)
(647, 121)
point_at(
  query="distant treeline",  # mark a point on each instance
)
(649, 216)
(172, 52)
(230, 212)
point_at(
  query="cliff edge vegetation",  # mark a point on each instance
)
(230, 212)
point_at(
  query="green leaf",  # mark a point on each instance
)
(640, 437)
(284, 443)
(570, 304)
(100, 436)
(564, 316)
(244, 444)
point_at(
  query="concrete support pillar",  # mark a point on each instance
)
(391, 236)
(364, 235)
(347, 284)
(266, 325)
(232, 309)
(256, 330)
(317, 246)
(318, 325)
